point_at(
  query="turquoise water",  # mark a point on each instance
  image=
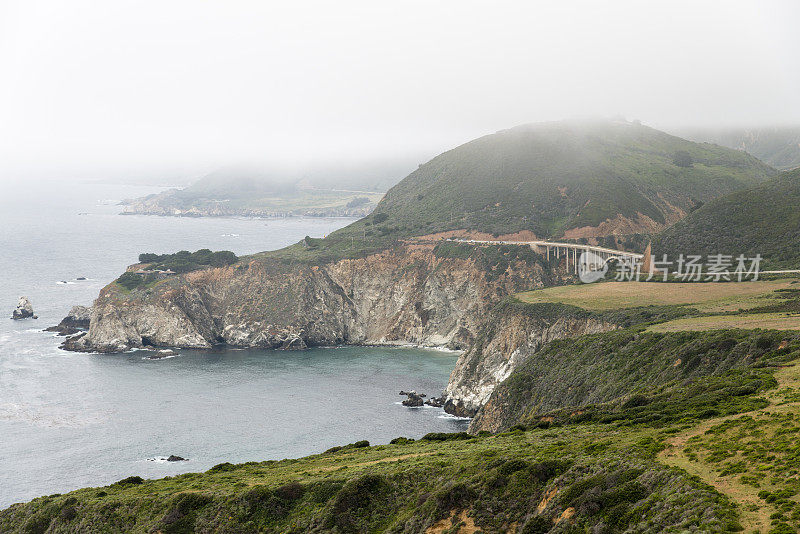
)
(69, 420)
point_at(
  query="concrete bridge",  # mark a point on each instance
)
(557, 249)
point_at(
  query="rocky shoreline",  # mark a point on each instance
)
(407, 295)
(76, 321)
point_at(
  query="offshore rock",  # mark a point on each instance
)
(77, 320)
(414, 399)
(23, 310)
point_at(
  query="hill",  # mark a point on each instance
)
(584, 479)
(762, 220)
(560, 179)
(331, 190)
(776, 146)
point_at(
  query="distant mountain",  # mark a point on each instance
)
(763, 220)
(330, 190)
(777, 146)
(562, 179)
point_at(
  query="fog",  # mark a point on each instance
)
(180, 87)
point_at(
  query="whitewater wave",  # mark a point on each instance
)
(163, 460)
(445, 415)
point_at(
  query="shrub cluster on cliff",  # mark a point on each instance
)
(185, 261)
(530, 482)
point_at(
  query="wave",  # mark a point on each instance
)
(445, 415)
(163, 460)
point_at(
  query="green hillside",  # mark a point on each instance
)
(776, 146)
(585, 479)
(764, 220)
(551, 178)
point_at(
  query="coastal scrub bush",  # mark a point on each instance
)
(446, 436)
(184, 261)
(130, 480)
(180, 519)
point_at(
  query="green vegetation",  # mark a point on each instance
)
(631, 377)
(546, 179)
(130, 280)
(179, 262)
(752, 458)
(776, 146)
(524, 481)
(185, 261)
(762, 220)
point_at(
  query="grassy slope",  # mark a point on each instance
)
(777, 146)
(763, 220)
(633, 377)
(752, 457)
(545, 178)
(554, 176)
(527, 480)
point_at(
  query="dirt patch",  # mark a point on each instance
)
(619, 225)
(546, 500)
(566, 515)
(466, 525)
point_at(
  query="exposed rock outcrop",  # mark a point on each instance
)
(413, 399)
(24, 310)
(406, 294)
(77, 320)
(509, 335)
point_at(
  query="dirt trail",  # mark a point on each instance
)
(754, 513)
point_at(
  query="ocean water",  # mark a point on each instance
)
(69, 420)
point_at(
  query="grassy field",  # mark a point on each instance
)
(766, 321)
(705, 297)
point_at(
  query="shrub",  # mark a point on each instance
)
(130, 480)
(446, 436)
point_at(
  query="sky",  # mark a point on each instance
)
(117, 86)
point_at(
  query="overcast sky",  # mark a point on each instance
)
(117, 84)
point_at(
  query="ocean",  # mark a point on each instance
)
(70, 420)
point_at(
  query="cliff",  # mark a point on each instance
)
(632, 377)
(410, 293)
(510, 334)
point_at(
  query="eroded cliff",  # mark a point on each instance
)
(406, 294)
(510, 334)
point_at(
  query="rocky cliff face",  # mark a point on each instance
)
(403, 295)
(510, 335)
(77, 320)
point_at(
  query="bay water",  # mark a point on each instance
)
(70, 420)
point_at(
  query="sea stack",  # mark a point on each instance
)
(23, 310)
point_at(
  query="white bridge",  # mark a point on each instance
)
(546, 248)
